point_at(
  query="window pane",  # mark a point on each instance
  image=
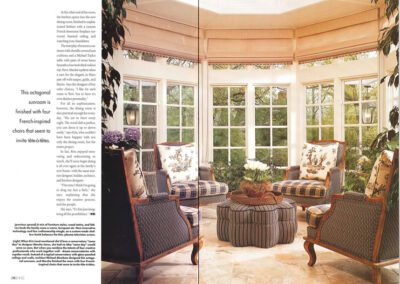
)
(327, 133)
(173, 135)
(312, 95)
(238, 117)
(262, 116)
(149, 57)
(147, 161)
(149, 115)
(263, 137)
(131, 91)
(279, 116)
(327, 115)
(149, 91)
(238, 96)
(351, 114)
(238, 137)
(312, 115)
(280, 157)
(149, 137)
(238, 156)
(221, 155)
(368, 135)
(369, 89)
(187, 135)
(187, 116)
(351, 136)
(220, 96)
(279, 96)
(351, 91)
(131, 114)
(263, 155)
(173, 94)
(312, 134)
(220, 116)
(172, 116)
(279, 136)
(187, 95)
(262, 95)
(369, 114)
(327, 94)
(220, 137)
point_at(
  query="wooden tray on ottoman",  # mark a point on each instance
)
(267, 198)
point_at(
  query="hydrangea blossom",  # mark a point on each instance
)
(132, 133)
(112, 137)
(256, 165)
(256, 171)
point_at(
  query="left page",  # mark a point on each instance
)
(50, 208)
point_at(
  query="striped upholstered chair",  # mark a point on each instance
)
(308, 192)
(202, 188)
(361, 226)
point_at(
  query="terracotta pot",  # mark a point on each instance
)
(253, 189)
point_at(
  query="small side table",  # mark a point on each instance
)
(261, 226)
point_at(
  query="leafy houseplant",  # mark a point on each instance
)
(113, 35)
(230, 174)
(256, 178)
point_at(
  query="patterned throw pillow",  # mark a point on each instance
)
(380, 174)
(135, 178)
(317, 160)
(180, 162)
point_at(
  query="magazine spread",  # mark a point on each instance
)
(200, 141)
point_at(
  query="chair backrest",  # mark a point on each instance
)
(119, 240)
(157, 161)
(341, 155)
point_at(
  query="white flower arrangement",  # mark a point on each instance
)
(256, 171)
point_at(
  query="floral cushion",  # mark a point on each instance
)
(380, 174)
(135, 177)
(317, 160)
(315, 213)
(180, 162)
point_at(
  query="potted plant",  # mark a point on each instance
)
(117, 140)
(257, 178)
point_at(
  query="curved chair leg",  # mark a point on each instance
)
(195, 252)
(376, 275)
(309, 247)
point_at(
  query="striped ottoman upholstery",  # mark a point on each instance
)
(261, 226)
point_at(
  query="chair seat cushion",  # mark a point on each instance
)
(304, 188)
(190, 189)
(315, 213)
(193, 215)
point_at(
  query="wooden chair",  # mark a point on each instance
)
(360, 227)
(139, 231)
(293, 187)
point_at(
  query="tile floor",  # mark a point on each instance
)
(220, 262)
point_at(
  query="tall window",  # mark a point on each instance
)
(271, 125)
(360, 112)
(319, 112)
(229, 124)
(180, 113)
(140, 110)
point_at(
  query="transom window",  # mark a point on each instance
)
(229, 124)
(319, 112)
(140, 110)
(360, 112)
(271, 133)
(180, 113)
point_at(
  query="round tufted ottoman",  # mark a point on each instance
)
(261, 226)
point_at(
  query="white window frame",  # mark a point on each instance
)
(319, 126)
(229, 107)
(360, 101)
(180, 105)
